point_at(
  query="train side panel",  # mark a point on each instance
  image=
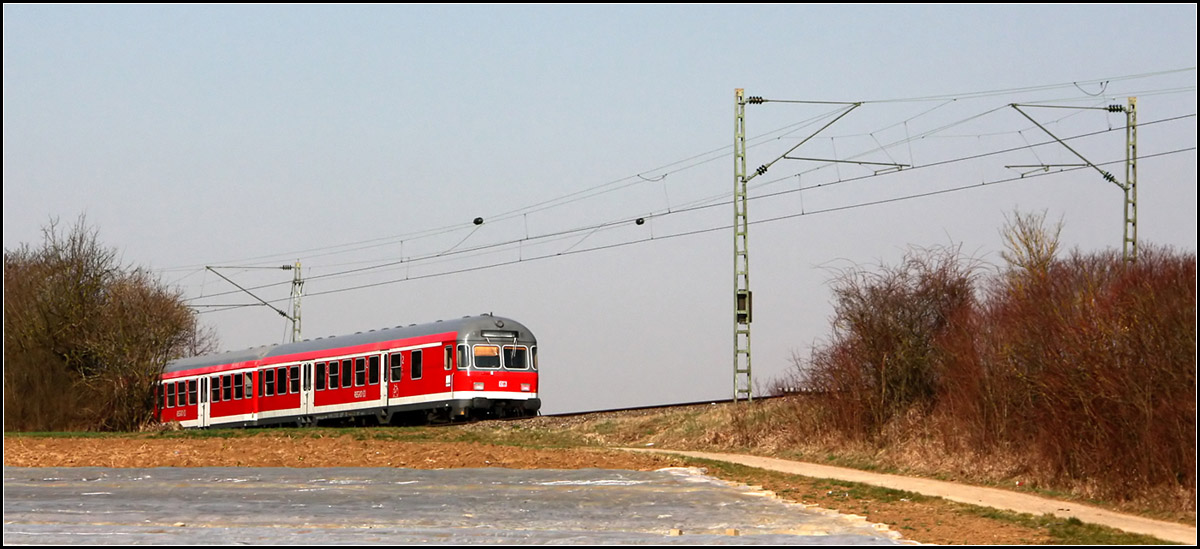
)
(278, 392)
(231, 395)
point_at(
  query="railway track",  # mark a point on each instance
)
(620, 412)
(656, 407)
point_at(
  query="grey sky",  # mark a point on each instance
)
(340, 136)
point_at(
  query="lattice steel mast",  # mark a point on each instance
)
(742, 382)
(297, 291)
(1131, 180)
(1129, 245)
(297, 285)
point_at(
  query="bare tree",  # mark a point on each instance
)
(1030, 245)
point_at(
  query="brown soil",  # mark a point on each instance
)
(282, 451)
(927, 521)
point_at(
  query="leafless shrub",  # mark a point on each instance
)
(1078, 371)
(1096, 362)
(84, 337)
(884, 357)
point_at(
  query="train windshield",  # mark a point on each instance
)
(487, 357)
(514, 358)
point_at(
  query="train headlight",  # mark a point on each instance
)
(525, 387)
(478, 385)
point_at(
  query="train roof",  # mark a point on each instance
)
(465, 327)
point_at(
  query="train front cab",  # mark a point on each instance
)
(495, 378)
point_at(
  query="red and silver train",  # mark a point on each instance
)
(475, 367)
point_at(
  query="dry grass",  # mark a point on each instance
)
(790, 428)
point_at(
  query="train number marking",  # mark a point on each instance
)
(360, 394)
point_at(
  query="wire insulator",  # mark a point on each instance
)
(754, 100)
(761, 169)
(479, 221)
(1116, 108)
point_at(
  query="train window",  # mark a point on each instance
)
(448, 358)
(294, 378)
(360, 372)
(281, 381)
(320, 376)
(192, 392)
(181, 393)
(346, 381)
(514, 358)
(333, 374)
(533, 351)
(171, 395)
(226, 388)
(415, 369)
(249, 385)
(462, 357)
(487, 356)
(373, 370)
(268, 377)
(397, 364)
(215, 383)
(238, 391)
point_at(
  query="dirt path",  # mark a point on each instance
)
(973, 495)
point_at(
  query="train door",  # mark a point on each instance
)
(394, 371)
(306, 389)
(377, 372)
(202, 406)
(448, 366)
